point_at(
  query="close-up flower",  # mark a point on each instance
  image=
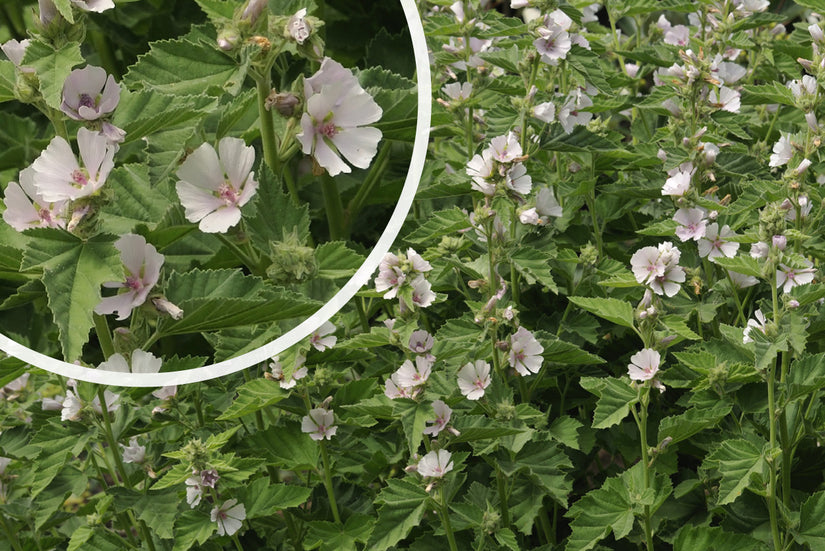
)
(214, 185)
(414, 374)
(473, 379)
(319, 423)
(229, 516)
(323, 337)
(89, 94)
(141, 362)
(716, 243)
(442, 417)
(26, 208)
(334, 124)
(141, 266)
(525, 352)
(435, 464)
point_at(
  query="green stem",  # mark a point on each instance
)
(591, 206)
(328, 483)
(237, 542)
(468, 134)
(504, 506)
(741, 318)
(333, 207)
(239, 253)
(534, 71)
(445, 520)
(777, 540)
(294, 533)
(263, 84)
(362, 315)
(645, 465)
(784, 439)
(59, 124)
(515, 283)
(198, 407)
(104, 336)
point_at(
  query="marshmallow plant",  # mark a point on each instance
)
(599, 328)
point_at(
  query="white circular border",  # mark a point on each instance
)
(292, 337)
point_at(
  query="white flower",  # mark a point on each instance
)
(473, 378)
(214, 186)
(505, 148)
(299, 371)
(59, 177)
(714, 244)
(782, 151)
(742, 281)
(142, 362)
(571, 113)
(677, 35)
(759, 323)
(166, 392)
(435, 464)
(71, 407)
(789, 277)
(547, 205)
(409, 375)
(298, 27)
(133, 453)
(15, 50)
(394, 389)
(422, 293)
(337, 108)
(760, 250)
(111, 402)
(727, 100)
(323, 337)
(319, 424)
(646, 264)
(421, 342)
(481, 169)
(692, 223)
(89, 94)
(678, 184)
(525, 352)
(26, 208)
(194, 490)
(517, 179)
(553, 44)
(658, 267)
(442, 417)
(644, 365)
(458, 91)
(141, 264)
(529, 216)
(545, 112)
(229, 517)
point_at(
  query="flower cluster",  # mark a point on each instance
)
(403, 276)
(658, 268)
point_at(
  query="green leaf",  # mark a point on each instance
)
(742, 264)
(158, 510)
(336, 260)
(52, 67)
(546, 463)
(136, 201)
(565, 429)
(533, 265)
(479, 427)
(286, 446)
(678, 325)
(615, 398)
(192, 526)
(8, 77)
(565, 353)
(738, 461)
(806, 375)
(79, 537)
(402, 507)
(613, 310)
(413, 416)
(253, 396)
(713, 538)
(145, 112)
(217, 10)
(331, 537)
(761, 94)
(73, 272)
(275, 214)
(184, 67)
(683, 426)
(812, 522)
(441, 223)
(600, 512)
(262, 499)
(507, 538)
(663, 228)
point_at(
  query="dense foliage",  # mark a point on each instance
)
(600, 329)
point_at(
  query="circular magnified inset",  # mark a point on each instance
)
(228, 259)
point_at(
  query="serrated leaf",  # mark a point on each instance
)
(275, 214)
(565, 429)
(546, 462)
(613, 310)
(762, 94)
(183, 67)
(217, 10)
(144, 112)
(192, 527)
(52, 67)
(439, 224)
(158, 510)
(413, 416)
(330, 536)
(402, 506)
(253, 396)
(8, 77)
(336, 260)
(711, 538)
(73, 273)
(806, 375)
(683, 426)
(479, 427)
(615, 398)
(600, 512)
(679, 326)
(741, 264)
(80, 536)
(812, 522)
(534, 266)
(135, 202)
(262, 499)
(286, 446)
(737, 460)
(565, 353)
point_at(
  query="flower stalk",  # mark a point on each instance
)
(328, 482)
(445, 519)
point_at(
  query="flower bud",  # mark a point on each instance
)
(253, 10)
(816, 33)
(292, 262)
(285, 103)
(793, 304)
(780, 242)
(228, 39)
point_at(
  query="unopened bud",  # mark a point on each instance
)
(165, 307)
(285, 103)
(228, 39)
(793, 304)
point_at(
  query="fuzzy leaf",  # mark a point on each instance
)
(737, 460)
(742, 264)
(806, 375)
(262, 499)
(52, 67)
(534, 266)
(683, 426)
(600, 512)
(812, 522)
(285, 446)
(402, 506)
(336, 260)
(253, 396)
(613, 310)
(136, 201)
(546, 463)
(444, 222)
(331, 537)
(615, 398)
(145, 112)
(193, 526)
(690, 538)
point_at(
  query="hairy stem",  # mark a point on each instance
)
(333, 208)
(328, 483)
(445, 520)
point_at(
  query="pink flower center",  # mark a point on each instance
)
(327, 129)
(791, 275)
(479, 384)
(45, 215)
(79, 178)
(228, 194)
(86, 101)
(134, 283)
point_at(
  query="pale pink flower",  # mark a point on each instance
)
(525, 352)
(442, 417)
(646, 264)
(481, 169)
(422, 293)
(677, 35)
(142, 263)
(715, 243)
(15, 50)
(229, 517)
(517, 179)
(421, 342)
(71, 407)
(319, 424)
(692, 223)
(142, 362)
(214, 185)
(394, 389)
(97, 6)
(473, 378)
(742, 281)
(759, 323)
(760, 250)
(133, 453)
(89, 94)
(545, 112)
(726, 100)
(166, 393)
(678, 184)
(547, 206)
(194, 490)
(390, 275)
(59, 177)
(644, 365)
(505, 148)
(553, 44)
(337, 108)
(668, 283)
(26, 208)
(529, 216)
(805, 87)
(789, 277)
(111, 402)
(570, 115)
(410, 375)
(297, 25)
(287, 381)
(458, 91)
(323, 337)
(435, 464)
